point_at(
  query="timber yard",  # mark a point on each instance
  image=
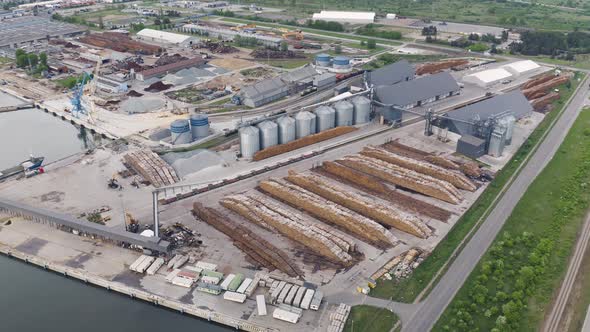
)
(261, 177)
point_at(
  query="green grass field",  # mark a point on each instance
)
(551, 213)
(406, 290)
(364, 318)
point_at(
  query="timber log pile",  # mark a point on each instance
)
(153, 168)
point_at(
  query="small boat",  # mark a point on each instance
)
(32, 164)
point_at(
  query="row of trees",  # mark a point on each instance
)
(552, 43)
(35, 63)
(244, 41)
(370, 30)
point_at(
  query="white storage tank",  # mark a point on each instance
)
(199, 125)
(362, 109)
(181, 132)
(249, 141)
(269, 134)
(287, 130)
(305, 124)
(326, 118)
(323, 60)
(341, 62)
(344, 113)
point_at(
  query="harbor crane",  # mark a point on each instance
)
(78, 104)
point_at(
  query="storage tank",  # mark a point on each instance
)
(341, 62)
(249, 141)
(322, 60)
(181, 132)
(199, 125)
(269, 134)
(305, 124)
(362, 109)
(344, 113)
(326, 118)
(287, 131)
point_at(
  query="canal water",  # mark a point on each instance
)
(32, 299)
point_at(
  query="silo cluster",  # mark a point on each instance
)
(185, 131)
(339, 63)
(199, 125)
(269, 134)
(249, 141)
(287, 129)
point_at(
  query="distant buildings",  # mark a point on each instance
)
(228, 34)
(391, 74)
(16, 32)
(169, 68)
(163, 37)
(345, 17)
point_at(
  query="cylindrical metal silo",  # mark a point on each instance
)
(326, 118)
(322, 60)
(287, 131)
(341, 62)
(508, 123)
(249, 141)
(305, 124)
(344, 113)
(269, 134)
(199, 125)
(181, 132)
(362, 109)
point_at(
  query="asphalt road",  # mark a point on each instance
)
(432, 308)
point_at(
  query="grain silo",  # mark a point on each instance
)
(287, 131)
(326, 118)
(362, 109)
(199, 125)
(249, 141)
(180, 132)
(508, 123)
(269, 134)
(497, 142)
(305, 124)
(344, 113)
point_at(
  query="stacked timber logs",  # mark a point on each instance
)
(435, 67)
(557, 80)
(458, 180)
(153, 168)
(387, 215)
(410, 152)
(540, 103)
(531, 83)
(260, 209)
(257, 248)
(404, 177)
(362, 227)
(376, 187)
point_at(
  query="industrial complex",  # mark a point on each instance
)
(232, 185)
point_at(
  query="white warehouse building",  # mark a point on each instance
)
(486, 78)
(345, 17)
(521, 67)
(164, 37)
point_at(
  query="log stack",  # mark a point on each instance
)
(153, 168)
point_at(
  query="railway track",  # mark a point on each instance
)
(555, 317)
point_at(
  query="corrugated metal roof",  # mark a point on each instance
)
(299, 74)
(410, 92)
(173, 38)
(391, 74)
(514, 102)
(171, 67)
(490, 75)
(340, 15)
(264, 88)
(523, 66)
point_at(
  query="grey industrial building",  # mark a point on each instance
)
(16, 32)
(414, 93)
(391, 74)
(513, 102)
(228, 34)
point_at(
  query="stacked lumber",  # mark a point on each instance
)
(375, 186)
(540, 103)
(358, 225)
(557, 80)
(253, 245)
(435, 67)
(531, 83)
(153, 168)
(410, 152)
(403, 177)
(386, 215)
(119, 42)
(457, 179)
(302, 142)
(259, 209)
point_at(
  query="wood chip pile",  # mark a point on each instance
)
(153, 168)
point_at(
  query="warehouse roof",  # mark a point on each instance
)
(340, 15)
(172, 38)
(173, 67)
(300, 74)
(391, 74)
(520, 67)
(514, 101)
(410, 92)
(490, 75)
(264, 89)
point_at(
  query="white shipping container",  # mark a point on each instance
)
(307, 299)
(180, 262)
(145, 264)
(183, 282)
(291, 295)
(194, 269)
(206, 266)
(250, 290)
(284, 293)
(172, 275)
(155, 266)
(261, 304)
(173, 261)
(285, 315)
(316, 301)
(210, 280)
(227, 281)
(233, 296)
(138, 261)
(277, 291)
(299, 297)
(244, 285)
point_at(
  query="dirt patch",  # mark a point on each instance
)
(78, 261)
(32, 246)
(52, 196)
(231, 63)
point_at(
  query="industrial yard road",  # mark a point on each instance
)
(431, 309)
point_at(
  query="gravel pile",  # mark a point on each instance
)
(185, 163)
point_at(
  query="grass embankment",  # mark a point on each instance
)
(365, 318)
(512, 285)
(575, 311)
(406, 290)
